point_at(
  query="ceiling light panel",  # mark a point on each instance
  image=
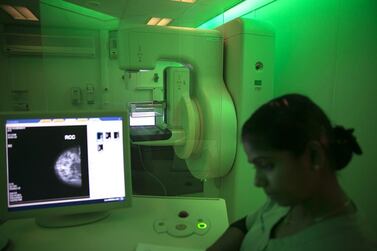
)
(154, 21)
(164, 21)
(13, 12)
(159, 21)
(26, 13)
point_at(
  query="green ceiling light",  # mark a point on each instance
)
(78, 9)
(234, 12)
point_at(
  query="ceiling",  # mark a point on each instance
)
(129, 11)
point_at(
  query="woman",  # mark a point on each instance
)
(296, 154)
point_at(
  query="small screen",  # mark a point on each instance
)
(142, 119)
(64, 161)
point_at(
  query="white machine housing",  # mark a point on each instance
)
(206, 122)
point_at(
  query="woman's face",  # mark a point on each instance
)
(284, 177)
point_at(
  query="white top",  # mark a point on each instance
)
(346, 233)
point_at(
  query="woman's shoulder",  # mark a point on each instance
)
(269, 211)
(345, 232)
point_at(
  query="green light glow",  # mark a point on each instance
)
(234, 12)
(79, 9)
(201, 225)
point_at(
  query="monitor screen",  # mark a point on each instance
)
(63, 163)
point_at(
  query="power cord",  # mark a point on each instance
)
(149, 172)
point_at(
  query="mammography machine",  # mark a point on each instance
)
(200, 86)
(187, 93)
(182, 70)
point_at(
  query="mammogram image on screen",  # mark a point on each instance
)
(68, 167)
(48, 163)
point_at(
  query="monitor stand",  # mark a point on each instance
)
(70, 220)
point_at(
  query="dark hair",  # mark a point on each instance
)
(290, 121)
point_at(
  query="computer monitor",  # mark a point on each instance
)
(64, 168)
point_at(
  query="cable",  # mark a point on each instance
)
(149, 172)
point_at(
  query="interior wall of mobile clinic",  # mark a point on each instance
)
(328, 51)
(324, 49)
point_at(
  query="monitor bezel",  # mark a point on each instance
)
(5, 214)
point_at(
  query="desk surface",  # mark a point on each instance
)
(125, 228)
